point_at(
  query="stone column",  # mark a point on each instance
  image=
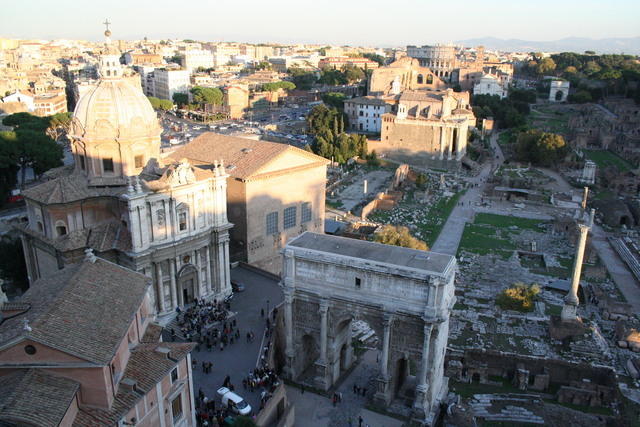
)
(159, 287)
(207, 263)
(288, 324)
(459, 147)
(442, 141)
(382, 395)
(570, 308)
(196, 263)
(323, 376)
(227, 268)
(419, 403)
(175, 294)
(449, 155)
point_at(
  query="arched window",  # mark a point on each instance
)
(40, 227)
(430, 79)
(420, 79)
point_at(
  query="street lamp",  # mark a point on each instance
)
(267, 308)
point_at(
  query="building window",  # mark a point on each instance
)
(420, 79)
(430, 79)
(30, 350)
(107, 164)
(82, 162)
(182, 220)
(174, 375)
(139, 161)
(358, 282)
(61, 228)
(305, 212)
(272, 223)
(290, 217)
(40, 227)
(361, 113)
(176, 408)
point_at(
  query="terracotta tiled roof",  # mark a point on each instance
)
(70, 186)
(84, 310)
(148, 364)
(242, 157)
(34, 397)
(152, 334)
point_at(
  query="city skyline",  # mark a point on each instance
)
(291, 22)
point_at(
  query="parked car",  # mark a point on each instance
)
(237, 286)
(234, 402)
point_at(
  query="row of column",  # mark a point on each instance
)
(219, 265)
(444, 138)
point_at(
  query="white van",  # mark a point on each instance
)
(234, 402)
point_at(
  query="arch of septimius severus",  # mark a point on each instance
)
(404, 295)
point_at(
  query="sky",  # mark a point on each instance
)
(355, 22)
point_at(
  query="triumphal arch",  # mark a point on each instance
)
(405, 296)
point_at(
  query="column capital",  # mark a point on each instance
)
(387, 319)
(428, 328)
(584, 228)
(288, 295)
(324, 306)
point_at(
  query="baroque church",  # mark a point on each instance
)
(165, 219)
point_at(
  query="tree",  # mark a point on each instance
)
(303, 79)
(421, 181)
(352, 73)
(243, 421)
(580, 97)
(13, 267)
(59, 125)
(263, 65)
(207, 95)
(519, 297)
(26, 121)
(8, 164)
(275, 86)
(540, 148)
(545, 66)
(181, 99)
(399, 236)
(30, 149)
(155, 102)
(374, 57)
(334, 99)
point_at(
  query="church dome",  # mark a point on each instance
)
(115, 108)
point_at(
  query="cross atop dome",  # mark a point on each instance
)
(107, 32)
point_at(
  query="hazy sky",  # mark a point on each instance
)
(365, 22)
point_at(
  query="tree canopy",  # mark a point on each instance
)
(274, 86)
(207, 95)
(509, 112)
(181, 99)
(334, 99)
(540, 148)
(331, 142)
(303, 79)
(160, 104)
(399, 236)
(13, 267)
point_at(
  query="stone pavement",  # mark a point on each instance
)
(237, 359)
(313, 410)
(618, 270)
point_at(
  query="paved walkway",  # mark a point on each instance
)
(314, 410)
(449, 238)
(618, 270)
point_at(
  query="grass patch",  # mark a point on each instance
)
(605, 158)
(503, 221)
(335, 205)
(552, 310)
(478, 239)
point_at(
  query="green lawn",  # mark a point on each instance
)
(503, 221)
(480, 239)
(605, 158)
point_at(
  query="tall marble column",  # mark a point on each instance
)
(207, 263)
(422, 387)
(571, 301)
(159, 287)
(323, 380)
(442, 141)
(383, 396)
(288, 325)
(174, 285)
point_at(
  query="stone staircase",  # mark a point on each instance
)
(502, 408)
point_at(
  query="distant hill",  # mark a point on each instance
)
(629, 45)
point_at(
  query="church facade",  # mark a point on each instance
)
(165, 219)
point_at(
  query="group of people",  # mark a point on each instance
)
(206, 412)
(200, 317)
